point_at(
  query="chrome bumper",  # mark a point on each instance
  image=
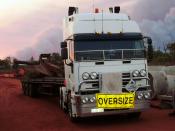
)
(85, 110)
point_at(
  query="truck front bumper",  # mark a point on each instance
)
(86, 110)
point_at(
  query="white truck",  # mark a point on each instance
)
(105, 65)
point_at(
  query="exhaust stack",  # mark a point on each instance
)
(72, 10)
(115, 9)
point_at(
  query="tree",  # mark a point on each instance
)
(165, 48)
(32, 59)
(56, 58)
(171, 48)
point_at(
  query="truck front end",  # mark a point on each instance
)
(105, 66)
(112, 74)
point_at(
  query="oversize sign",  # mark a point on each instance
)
(115, 101)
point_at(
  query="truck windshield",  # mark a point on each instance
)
(109, 50)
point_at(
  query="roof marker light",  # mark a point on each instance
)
(97, 10)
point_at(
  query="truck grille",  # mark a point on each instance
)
(95, 84)
(126, 77)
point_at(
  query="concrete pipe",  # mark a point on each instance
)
(169, 70)
(159, 84)
(171, 84)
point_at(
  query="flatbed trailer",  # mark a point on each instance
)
(47, 85)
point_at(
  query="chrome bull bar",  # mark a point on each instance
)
(100, 85)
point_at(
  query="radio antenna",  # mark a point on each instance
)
(93, 11)
(102, 22)
(93, 6)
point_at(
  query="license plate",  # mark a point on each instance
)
(97, 110)
(115, 101)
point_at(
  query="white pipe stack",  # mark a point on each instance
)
(163, 80)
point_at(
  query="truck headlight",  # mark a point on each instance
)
(143, 73)
(147, 95)
(85, 100)
(140, 96)
(135, 73)
(92, 99)
(93, 75)
(85, 76)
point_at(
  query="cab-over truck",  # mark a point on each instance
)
(105, 65)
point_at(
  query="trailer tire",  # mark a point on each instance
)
(27, 89)
(60, 99)
(24, 89)
(32, 91)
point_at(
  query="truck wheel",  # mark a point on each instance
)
(22, 84)
(60, 99)
(35, 90)
(27, 89)
(32, 90)
(71, 116)
(135, 115)
(24, 89)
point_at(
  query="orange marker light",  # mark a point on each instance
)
(96, 10)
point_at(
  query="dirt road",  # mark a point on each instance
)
(21, 113)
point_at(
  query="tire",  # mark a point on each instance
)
(24, 89)
(35, 90)
(27, 89)
(32, 91)
(154, 96)
(61, 103)
(60, 99)
(71, 116)
(135, 115)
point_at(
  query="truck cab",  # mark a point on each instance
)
(105, 65)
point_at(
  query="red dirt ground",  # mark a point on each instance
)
(22, 113)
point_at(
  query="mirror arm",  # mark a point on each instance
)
(68, 64)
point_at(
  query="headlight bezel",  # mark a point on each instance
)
(137, 72)
(93, 75)
(88, 99)
(147, 95)
(85, 76)
(140, 96)
(143, 73)
(84, 101)
(92, 100)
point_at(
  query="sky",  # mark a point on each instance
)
(31, 27)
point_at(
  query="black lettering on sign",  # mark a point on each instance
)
(131, 100)
(110, 101)
(120, 100)
(123, 102)
(105, 100)
(115, 100)
(126, 100)
(100, 101)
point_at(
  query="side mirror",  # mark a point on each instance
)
(72, 10)
(149, 40)
(63, 44)
(64, 53)
(149, 48)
